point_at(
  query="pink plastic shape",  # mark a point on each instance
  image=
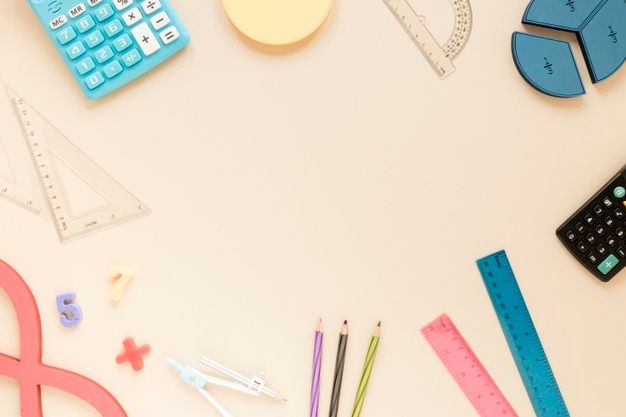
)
(466, 369)
(133, 354)
(29, 369)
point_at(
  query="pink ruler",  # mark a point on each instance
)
(466, 369)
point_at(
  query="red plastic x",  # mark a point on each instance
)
(133, 354)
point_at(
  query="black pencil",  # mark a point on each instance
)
(339, 366)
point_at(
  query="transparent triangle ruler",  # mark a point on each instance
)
(19, 183)
(61, 169)
(13, 186)
(438, 56)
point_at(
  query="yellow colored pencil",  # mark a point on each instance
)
(367, 372)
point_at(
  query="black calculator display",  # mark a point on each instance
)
(596, 233)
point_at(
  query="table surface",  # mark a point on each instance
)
(338, 178)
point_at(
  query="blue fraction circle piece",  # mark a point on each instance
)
(603, 40)
(568, 15)
(547, 65)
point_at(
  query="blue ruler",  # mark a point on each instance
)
(522, 336)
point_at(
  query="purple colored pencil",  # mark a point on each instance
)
(317, 370)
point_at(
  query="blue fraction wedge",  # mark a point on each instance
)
(603, 40)
(547, 65)
(569, 15)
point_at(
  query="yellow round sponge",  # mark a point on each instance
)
(277, 22)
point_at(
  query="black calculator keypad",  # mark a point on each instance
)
(591, 238)
(596, 233)
(590, 219)
(612, 242)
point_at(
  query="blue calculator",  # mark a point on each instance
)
(109, 43)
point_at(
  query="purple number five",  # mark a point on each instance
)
(71, 314)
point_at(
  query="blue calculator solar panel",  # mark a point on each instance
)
(603, 40)
(547, 64)
(109, 43)
(569, 15)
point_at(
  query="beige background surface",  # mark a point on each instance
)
(339, 179)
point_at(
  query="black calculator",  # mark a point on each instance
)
(596, 233)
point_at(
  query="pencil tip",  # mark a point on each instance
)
(345, 322)
(380, 323)
(318, 327)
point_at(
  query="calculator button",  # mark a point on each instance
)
(75, 50)
(122, 4)
(85, 65)
(589, 219)
(146, 39)
(591, 238)
(608, 203)
(132, 16)
(94, 39)
(169, 35)
(122, 43)
(621, 251)
(58, 22)
(66, 35)
(619, 192)
(77, 10)
(570, 235)
(94, 80)
(104, 12)
(601, 230)
(112, 69)
(92, 3)
(132, 58)
(611, 241)
(608, 264)
(602, 250)
(598, 210)
(580, 228)
(609, 221)
(620, 233)
(582, 247)
(104, 54)
(150, 6)
(85, 24)
(619, 213)
(593, 258)
(160, 20)
(113, 28)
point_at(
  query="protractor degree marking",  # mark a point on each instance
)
(463, 21)
(439, 57)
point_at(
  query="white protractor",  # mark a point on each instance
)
(59, 165)
(439, 57)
